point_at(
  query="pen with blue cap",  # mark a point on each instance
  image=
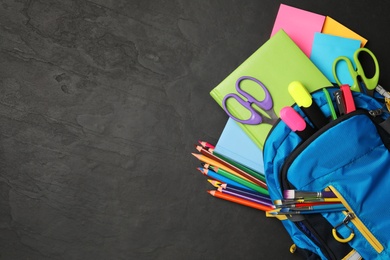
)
(308, 106)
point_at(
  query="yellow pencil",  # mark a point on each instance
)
(210, 161)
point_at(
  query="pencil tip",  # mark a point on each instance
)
(196, 155)
(211, 192)
(198, 147)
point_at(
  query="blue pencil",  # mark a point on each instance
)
(216, 176)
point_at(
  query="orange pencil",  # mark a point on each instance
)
(215, 163)
(238, 200)
(240, 172)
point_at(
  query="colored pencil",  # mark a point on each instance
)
(236, 188)
(206, 144)
(215, 183)
(251, 193)
(210, 161)
(228, 166)
(239, 200)
(216, 169)
(247, 197)
(252, 172)
(220, 178)
(241, 181)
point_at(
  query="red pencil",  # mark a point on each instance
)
(206, 144)
(239, 200)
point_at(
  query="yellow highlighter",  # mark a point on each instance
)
(308, 106)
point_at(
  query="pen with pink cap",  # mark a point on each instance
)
(296, 122)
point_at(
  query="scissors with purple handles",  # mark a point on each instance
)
(246, 100)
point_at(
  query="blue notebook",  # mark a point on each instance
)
(236, 145)
(326, 48)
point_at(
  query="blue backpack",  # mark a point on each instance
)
(350, 156)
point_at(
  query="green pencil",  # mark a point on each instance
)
(239, 180)
(241, 167)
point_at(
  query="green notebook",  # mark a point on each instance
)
(277, 63)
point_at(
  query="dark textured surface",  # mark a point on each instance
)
(100, 105)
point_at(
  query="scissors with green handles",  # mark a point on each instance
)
(360, 82)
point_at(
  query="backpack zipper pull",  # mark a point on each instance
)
(345, 222)
(376, 112)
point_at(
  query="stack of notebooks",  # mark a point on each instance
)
(302, 47)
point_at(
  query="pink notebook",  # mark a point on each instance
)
(300, 25)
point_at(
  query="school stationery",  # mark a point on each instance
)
(240, 180)
(206, 144)
(215, 183)
(265, 104)
(257, 179)
(254, 194)
(333, 27)
(235, 144)
(326, 48)
(239, 200)
(304, 100)
(359, 80)
(330, 103)
(299, 24)
(338, 96)
(232, 168)
(211, 159)
(350, 156)
(275, 64)
(348, 98)
(296, 123)
(246, 197)
(220, 178)
(294, 194)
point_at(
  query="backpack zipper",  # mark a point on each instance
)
(353, 218)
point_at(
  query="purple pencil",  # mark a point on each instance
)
(245, 192)
(246, 197)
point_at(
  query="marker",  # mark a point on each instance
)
(305, 101)
(330, 103)
(338, 96)
(348, 98)
(296, 123)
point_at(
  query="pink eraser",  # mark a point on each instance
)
(292, 119)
